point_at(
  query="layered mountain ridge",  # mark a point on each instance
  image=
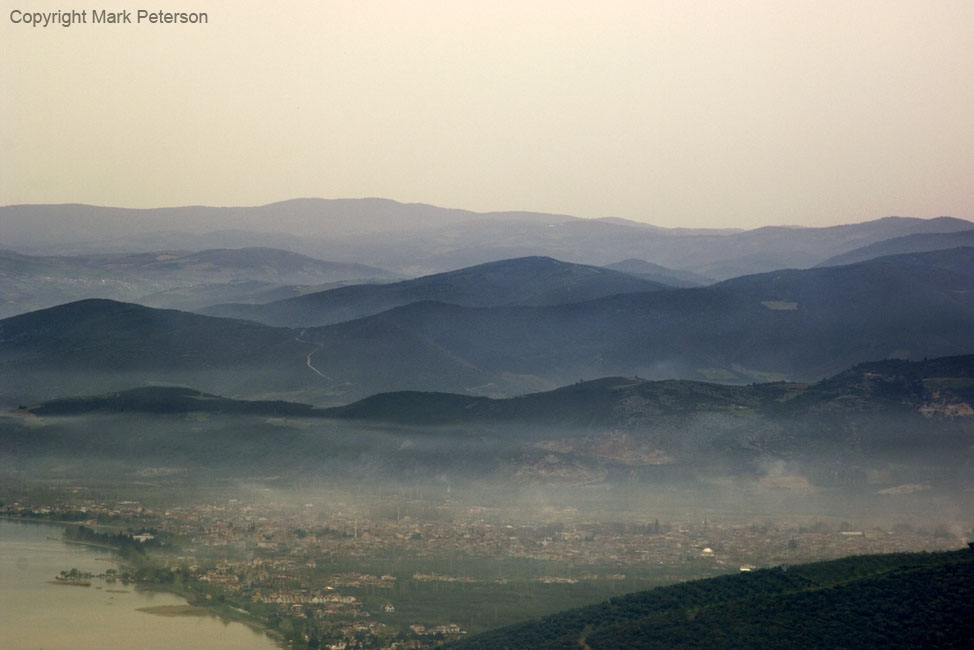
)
(796, 325)
(417, 239)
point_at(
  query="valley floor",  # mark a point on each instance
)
(391, 569)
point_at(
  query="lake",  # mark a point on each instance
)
(38, 615)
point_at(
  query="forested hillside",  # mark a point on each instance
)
(886, 601)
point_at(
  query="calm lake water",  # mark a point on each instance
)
(37, 615)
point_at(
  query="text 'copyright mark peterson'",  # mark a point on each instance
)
(105, 17)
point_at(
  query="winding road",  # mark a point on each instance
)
(307, 360)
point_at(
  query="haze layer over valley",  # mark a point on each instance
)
(513, 404)
(633, 294)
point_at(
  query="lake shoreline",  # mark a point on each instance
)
(224, 613)
(178, 605)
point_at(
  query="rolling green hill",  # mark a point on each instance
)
(168, 400)
(904, 423)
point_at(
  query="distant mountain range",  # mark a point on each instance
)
(534, 281)
(919, 243)
(175, 279)
(788, 325)
(797, 325)
(416, 239)
(661, 274)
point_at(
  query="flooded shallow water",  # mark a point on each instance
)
(38, 615)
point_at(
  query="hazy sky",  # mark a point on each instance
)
(682, 113)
